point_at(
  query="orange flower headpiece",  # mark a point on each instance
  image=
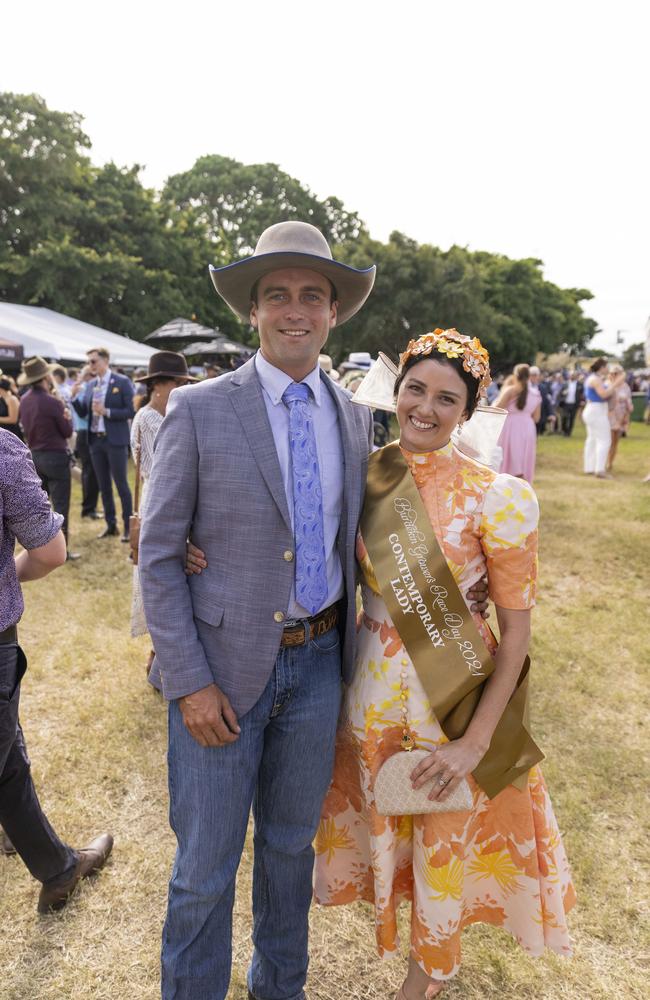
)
(452, 344)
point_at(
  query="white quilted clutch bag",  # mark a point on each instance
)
(394, 795)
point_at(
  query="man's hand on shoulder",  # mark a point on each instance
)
(209, 717)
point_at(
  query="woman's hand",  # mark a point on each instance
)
(478, 597)
(447, 766)
(195, 561)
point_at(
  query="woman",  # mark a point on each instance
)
(9, 406)
(518, 440)
(620, 410)
(166, 371)
(596, 418)
(501, 862)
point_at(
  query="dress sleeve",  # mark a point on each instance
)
(508, 535)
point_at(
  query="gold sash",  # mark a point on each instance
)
(434, 623)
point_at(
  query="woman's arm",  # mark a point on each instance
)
(506, 395)
(455, 760)
(596, 383)
(536, 414)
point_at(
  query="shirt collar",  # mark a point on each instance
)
(274, 381)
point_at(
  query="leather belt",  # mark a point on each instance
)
(9, 635)
(297, 633)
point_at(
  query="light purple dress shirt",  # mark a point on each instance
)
(330, 461)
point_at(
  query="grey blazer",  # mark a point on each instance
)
(217, 476)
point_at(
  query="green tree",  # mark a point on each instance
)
(633, 356)
(236, 202)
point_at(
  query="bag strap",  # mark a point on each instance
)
(136, 498)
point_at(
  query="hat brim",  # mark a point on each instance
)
(174, 375)
(24, 380)
(234, 282)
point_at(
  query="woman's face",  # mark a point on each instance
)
(431, 400)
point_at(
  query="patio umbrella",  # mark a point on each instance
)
(220, 345)
(180, 329)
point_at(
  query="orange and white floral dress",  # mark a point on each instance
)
(502, 862)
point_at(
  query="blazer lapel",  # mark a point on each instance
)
(248, 403)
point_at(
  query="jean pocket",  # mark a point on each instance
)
(328, 642)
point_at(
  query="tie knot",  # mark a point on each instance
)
(297, 392)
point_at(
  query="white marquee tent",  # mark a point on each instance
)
(61, 338)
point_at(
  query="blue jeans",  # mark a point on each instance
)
(281, 764)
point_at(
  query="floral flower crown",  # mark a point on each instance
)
(476, 359)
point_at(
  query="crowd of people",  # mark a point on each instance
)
(263, 503)
(548, 403)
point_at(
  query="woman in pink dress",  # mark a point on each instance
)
(518, 440)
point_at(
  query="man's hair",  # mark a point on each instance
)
(60, 372)
(101, 351)
(254, 289)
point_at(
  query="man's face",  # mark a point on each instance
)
(293, 316)
(97, 364)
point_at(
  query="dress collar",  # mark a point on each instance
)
(428, 457)
(274, 381)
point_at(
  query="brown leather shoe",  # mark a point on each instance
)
(91, 859)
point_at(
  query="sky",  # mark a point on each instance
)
(515, 127)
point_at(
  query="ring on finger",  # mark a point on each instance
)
(443, 781)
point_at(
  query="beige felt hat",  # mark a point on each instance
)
(292, 244)
(34, 369)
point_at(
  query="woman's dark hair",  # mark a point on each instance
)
(471, 383)
(596, 365)
(159, 380)
(522, 374)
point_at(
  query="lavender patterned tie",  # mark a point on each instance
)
(311, 569)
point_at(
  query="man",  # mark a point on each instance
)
(48, 426)
(25, 514)
(571, 399)
(250, 653)
(107, 400)
(89, 484)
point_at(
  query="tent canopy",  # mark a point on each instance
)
(62, 338)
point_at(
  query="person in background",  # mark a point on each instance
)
(48, 426)
(212, 370)
(25, 514)
(166, 371)
(555, 391)
(619, 412)
(60, 383)
(9, 406)
(595, 417)
(571, 399)
(518, 438)
(89, 484)
(140, 393)
(107, 400)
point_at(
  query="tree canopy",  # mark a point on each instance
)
(95, 243)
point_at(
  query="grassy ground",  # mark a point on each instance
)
(96, 734)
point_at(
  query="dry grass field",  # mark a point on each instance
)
(96, 735)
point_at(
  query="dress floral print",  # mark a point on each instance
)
(500, 863)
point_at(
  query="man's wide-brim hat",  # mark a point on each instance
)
(34, 369)
(293, 244)
(167, 364)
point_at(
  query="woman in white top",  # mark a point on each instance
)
(596, 418)
(167, 370)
